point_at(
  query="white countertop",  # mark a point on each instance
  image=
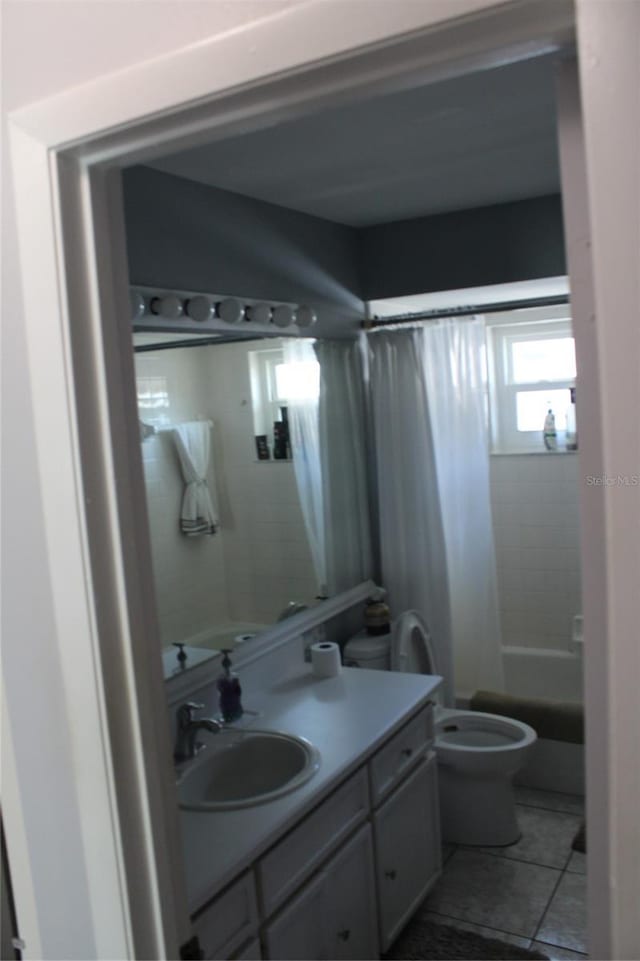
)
(346, 718)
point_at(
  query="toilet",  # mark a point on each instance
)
(478, 754)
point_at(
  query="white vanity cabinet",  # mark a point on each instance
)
(334, 916)
(343, 881)
(407, 844)
(286, 866)
(230, 923)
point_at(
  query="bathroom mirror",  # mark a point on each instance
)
(257, 567)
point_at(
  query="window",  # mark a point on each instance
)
(274, 383)
(153, 398)
(532, 368)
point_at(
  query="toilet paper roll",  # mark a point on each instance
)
(325, 659)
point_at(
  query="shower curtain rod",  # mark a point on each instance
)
(493, 308)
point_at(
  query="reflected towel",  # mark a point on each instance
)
(198, 515)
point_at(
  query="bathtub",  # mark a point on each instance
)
(216, 637)
(539, 672)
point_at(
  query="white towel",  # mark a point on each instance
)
(198, 515)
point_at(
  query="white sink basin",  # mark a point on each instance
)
(242, 768)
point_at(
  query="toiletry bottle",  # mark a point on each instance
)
(229, 691)
(572, 434)
(549, 434)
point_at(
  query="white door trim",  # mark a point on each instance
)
(608, 229)
(72, 258)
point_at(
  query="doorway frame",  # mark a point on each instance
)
(67, 152)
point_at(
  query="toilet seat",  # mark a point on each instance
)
(477, 742)
(471, 739)
(478, 754)
(461, 730)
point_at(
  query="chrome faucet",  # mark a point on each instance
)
(187, 731)
(293, 607)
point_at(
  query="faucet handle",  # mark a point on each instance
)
(186, 713)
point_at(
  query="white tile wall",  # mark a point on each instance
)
(267, 554)
(260, 559)
(189, 572)
(535, 519)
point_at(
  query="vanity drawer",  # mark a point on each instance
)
(400, 753)
(230, 920)
(285, 867)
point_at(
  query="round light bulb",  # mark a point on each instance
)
(170, 307)
(306, 316)
(230, 310)
(283, 315)
(259, 313)
(199, 309)
(137, 304)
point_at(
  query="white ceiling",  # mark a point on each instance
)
(476, 140)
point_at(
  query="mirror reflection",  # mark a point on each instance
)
(241, 443)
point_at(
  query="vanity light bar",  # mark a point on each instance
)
(184, 310)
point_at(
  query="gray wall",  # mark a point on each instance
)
(469, 248)
(182, 234)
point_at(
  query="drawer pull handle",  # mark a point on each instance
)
(345, 934)
(392, 875)
(407, 752)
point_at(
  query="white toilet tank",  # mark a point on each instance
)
(371, 651)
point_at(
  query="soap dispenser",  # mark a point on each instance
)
(229, 690)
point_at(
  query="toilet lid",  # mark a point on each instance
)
(412, 650)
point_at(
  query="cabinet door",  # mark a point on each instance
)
(283, 870)
(334, 915)
(250, 951)
(299, 931)
(407, 845)
(350, 901)
(230, 920)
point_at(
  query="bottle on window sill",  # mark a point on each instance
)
(549, 434)
(571, 441)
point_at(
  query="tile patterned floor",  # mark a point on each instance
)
(531, 893)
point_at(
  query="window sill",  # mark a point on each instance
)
(531, 453)
(274, 460)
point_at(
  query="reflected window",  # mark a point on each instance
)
(275, 383)
(297, 381)
(153, 394)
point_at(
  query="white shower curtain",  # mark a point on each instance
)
(328, 448)
(433, 473)
(343, 460)
(453, 358)
(304, 437)
(411, 537)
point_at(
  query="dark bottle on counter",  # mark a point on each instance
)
(229, 691)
